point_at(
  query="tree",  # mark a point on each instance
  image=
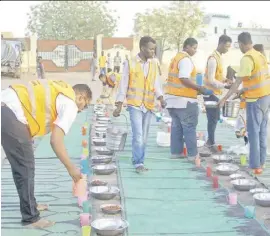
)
(170, 26)
(63, 20)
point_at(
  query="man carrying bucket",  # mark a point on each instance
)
(254, 75)
(32, 110)
(214, 80)
(140, 86)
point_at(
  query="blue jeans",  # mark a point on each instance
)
(140, 123)
(213, 116)
(257, 119)
(103, 70)
(184, 123)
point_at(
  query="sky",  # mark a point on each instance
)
(13, 16)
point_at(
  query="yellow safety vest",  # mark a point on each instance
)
(174, 84)
(38, 100)
(218, 75)
(110, 81)
(258, 84)
(141, 90)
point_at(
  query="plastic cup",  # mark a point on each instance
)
(84, 143)
(219, 148)
(243, 160)
(86, 206)
(250, 212)
(85, 219)
(208, 171)
(86, 230)
(85, 151)
(232, 198)
(85, 167)
(79, 188)
(198, 162)
(185, 151)
(83, 157)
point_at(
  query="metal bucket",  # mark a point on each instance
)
(231, 108)
(116, 137)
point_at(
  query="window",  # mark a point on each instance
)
(225, 31)
(216, 31)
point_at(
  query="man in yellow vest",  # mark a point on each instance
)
(32, 110)
(254, 75)
(140, 86)
(102, 63)
(214, 80)
(181, 93)
(110, 83)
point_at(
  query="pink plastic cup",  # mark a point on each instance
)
(79, 188)
(81, 199)
(85, 219)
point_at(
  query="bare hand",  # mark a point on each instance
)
(117, 112)
(221, 103)
(75, 173)
(163, 103)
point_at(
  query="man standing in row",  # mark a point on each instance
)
(214, 80)
(36, 109)
(181, 97)
(140, 86)
(102, 63)
(254, 75)
(117, 62)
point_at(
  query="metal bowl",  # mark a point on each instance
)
(243, 184)
(226, 169)
(101, 159)
(98, 182)
(262, 199)
(222, 158)
(259, 190)
(210, 104)
(103, 151)
(205, 154)
(111, 208)
(101, 129)
(99, 141)
(109, 227)
(104, 192)
(107, 119)
(236, 176)
(97, 125)
(104, 169)
(100, 134)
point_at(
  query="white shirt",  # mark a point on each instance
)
(109, 62)
(185, 67)
(66, 109)
(117, 61)
(123, 85)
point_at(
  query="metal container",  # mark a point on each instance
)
(98, 182)
(104, 169)
(100, 134)
(101, 159)
(116, 139)
(243, 184)
(104, 151)
(262, 199)
(226, 169)
(98, 125)
(103, 119)
(104, 192)
(99, 141)
(236, 176)
(210, 104)
(100, 129)
(222, 158)
(259, 190)
(231, 108)
(111, 208)
(109, 227)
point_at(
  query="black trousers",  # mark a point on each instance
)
(116, 69)
(17, 144)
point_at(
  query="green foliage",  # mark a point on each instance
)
(73, 20)
(170, 26)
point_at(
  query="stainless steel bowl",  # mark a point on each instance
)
(104, 192)
(101, 129)
(226, 169)
(104, 169)
(222, 158)
(107, 119)
(243, 184)
(97, 125)
(259, 190)
(103, 151)
(205, 154)
(99, 141)
(262, 199)
(109, 227)
(98, 182)
(111, 208)
(236, 176)
(100, 134)
(101, 159)
(210, 104)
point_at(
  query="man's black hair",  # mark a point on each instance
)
(224, 39)
(83, 88)
(145, 40)
(259, 47)
(190, 42)
(245, 38)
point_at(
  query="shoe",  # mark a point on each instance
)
(257, 171)
(139, 169)
(212, 148)
(176, 156)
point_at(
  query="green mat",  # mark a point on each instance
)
(53, 186)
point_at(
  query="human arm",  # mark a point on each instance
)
(211, 72)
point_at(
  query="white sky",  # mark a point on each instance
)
(13, 13)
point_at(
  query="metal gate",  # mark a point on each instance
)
(66, 56)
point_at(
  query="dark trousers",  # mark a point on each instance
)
(109, 70)
(116, 69)
(213, 115)
(17, 144)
